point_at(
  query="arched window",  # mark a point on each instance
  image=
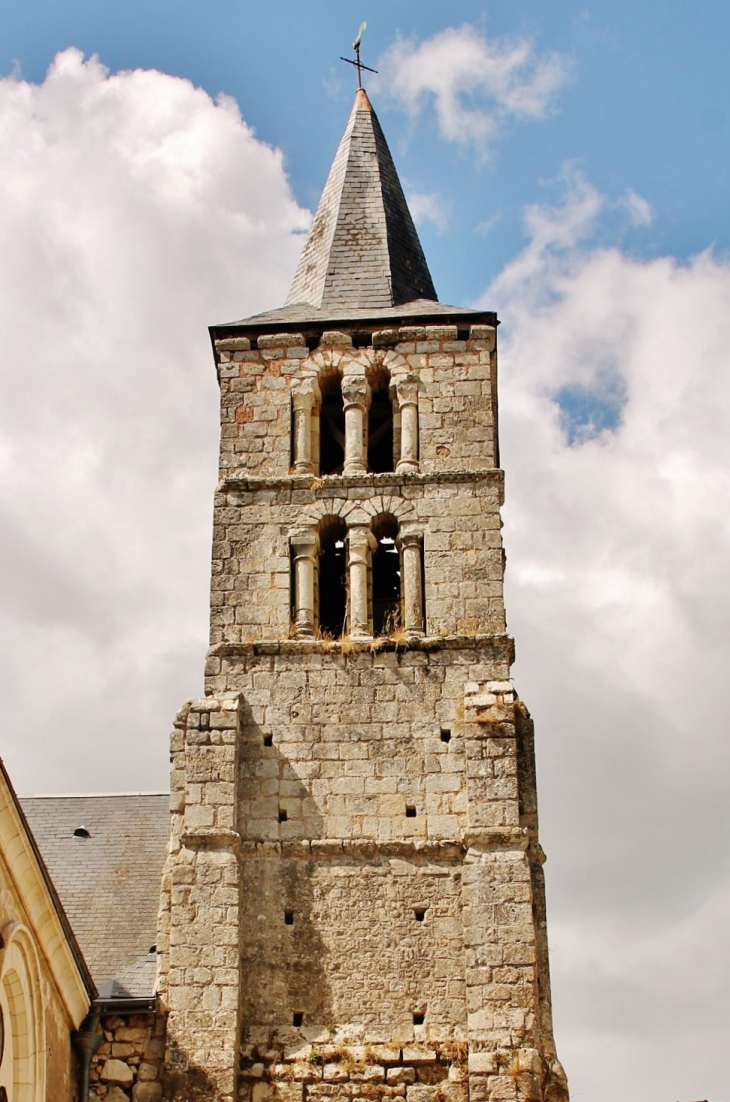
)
(331, 426)
(380, 424)
(386, 576)
(332, 577)
(22, 1069)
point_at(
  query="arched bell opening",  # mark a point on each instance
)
(332, 580)
(331, 425)
(380, 423)
(386, 576)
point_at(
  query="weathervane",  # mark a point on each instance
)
(358, 63)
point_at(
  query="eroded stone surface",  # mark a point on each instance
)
(353, 905)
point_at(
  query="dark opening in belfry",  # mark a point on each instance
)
(332, 577)
(386, 576)
(380, 424)
(331, 426)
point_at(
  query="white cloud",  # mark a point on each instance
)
(618, 595)
(638, 208)
(485, 228)
(476, 83)
(429, 206)
(134, 211)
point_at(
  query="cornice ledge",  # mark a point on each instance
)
(488, 839)
(211, 838)
(444, 849)
(428, 643)
(241, 481)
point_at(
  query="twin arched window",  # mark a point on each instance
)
(352, 424)
(358, 581)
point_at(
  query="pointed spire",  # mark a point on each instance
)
(362, 251)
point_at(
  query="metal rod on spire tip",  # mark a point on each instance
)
(358, 63)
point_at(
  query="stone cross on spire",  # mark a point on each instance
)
(362, 251)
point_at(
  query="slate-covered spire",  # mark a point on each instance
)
(362, 251)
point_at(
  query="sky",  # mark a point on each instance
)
(567, 165)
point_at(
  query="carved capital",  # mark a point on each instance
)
(360, 540)
(305, 543)
(355, 391)
(406, 390)
(410, 539)
(303, 400)
(305, 388)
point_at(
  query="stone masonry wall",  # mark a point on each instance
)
(128, 1065)
(355, 923)
(453, 502)
(353, 905)
(458, 516)
(457, 393)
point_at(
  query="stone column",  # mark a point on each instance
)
(199, 922)
(356, 399)
(304, 395)
(305, 545)
(407, 393)
(503, 995)
(360, 543)
(410, 543)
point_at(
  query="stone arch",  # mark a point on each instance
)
(366, 511)
(326, 507)
(336, 361)
(396, 365)
(22, 1070)
(325, 360)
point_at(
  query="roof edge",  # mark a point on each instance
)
(86, 795)
(458, 315)
(83, 974)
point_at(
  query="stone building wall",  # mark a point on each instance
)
(128, 1065)
(456, 517)
(44, 989)
(456, 381)
(353, 905)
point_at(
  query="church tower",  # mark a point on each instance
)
(353, 905)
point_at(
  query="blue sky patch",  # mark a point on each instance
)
(587, 412)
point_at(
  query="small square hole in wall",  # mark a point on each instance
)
(297, 1019)
(420, 913)
(418, 1019)
(445, 735)
(283, 815)
(289, 918)
(268, 740)
(204, 721)
(410, 813)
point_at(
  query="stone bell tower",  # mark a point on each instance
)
(353, 905)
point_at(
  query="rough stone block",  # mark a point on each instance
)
(116, 1071)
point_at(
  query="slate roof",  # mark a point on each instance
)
(108, 883)
(362, 258)
(302, 313)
